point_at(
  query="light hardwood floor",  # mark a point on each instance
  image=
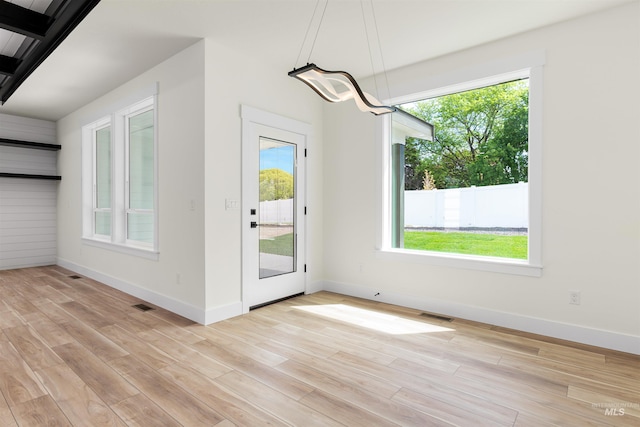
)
(75, 352)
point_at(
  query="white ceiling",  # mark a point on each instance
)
(122, 38)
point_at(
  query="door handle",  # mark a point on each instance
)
(254, 224)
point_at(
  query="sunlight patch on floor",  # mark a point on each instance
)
(370, 319)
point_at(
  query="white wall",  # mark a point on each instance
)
(233, 80)
(180, 125)
(200, 92)
(27, 206)
(590, 145)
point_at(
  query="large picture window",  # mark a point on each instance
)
(466, 189)
(466, 194)
(120, 156)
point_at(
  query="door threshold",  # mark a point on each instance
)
(253, 307)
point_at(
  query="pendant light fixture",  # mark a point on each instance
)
(337, 86)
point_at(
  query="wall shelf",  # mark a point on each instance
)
(30, 176)
(28, 144)
(34, 146)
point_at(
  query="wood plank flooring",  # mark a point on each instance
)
(76, 352)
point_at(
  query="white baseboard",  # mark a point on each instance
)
(186, 310)
(314, 287)
(196, 314)
(223, 312)
(596, 337)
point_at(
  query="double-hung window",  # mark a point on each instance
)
(101, 139)
(140, 176)
(120, 180)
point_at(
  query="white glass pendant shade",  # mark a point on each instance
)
(338, 86)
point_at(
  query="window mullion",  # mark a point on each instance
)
(119, 166)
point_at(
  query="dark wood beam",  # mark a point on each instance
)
(24, 21)
(8, 65)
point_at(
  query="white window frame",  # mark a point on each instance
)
(140, 108)
(104, 123)
(118, 240)
(529, 65)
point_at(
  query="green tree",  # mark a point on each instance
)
(414, 165)
(275, 184)
(481, 138)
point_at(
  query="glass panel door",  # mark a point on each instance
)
(273, 208)
(277, 213)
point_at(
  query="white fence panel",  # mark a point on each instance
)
(503, 206)
(276, 211)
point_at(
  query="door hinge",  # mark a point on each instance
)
(305, 268)
(305, 152)
(305, 210)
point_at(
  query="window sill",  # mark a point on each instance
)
(469, 262)
(138, 251)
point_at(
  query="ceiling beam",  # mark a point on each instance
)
(24, 21)
(70, 14)
(8, 65)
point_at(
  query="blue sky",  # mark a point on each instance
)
(280, 157)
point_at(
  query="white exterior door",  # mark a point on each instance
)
(273, 200)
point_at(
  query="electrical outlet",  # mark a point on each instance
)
(574, 297)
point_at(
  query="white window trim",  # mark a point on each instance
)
(106, 122)
(118, 241)
(124, 117)
(526, 65)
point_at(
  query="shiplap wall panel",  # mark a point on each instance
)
(28, 208)
(25, 129)
(26, 160)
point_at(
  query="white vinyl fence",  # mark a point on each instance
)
(276, 212)
(494, 206)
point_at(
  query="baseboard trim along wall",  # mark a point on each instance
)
(223, 312)
(565, 331)
(569, 332)
(186, 310)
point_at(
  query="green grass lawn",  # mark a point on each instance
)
(467, 243)
(280, 245)
(453, 242)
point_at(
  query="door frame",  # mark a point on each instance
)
(253, 116)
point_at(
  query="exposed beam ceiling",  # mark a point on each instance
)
(42, 31)
(24, 21)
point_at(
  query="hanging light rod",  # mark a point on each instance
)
(339, 86)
